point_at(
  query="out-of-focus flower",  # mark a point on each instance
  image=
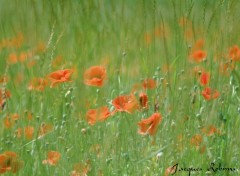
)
(209, 94)
(10, 162)
(60, 76)
(150, 125)
(149, 84)
(125, 103)
(100, 114)
(95, 76)
(52, 158)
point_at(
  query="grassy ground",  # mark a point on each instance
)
(134, 40)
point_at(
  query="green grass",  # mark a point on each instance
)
(112, 33)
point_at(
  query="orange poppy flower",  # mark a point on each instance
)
(127, 103)
(15, 116)
(53, 158)
(99, 114)
(9, 121)
(143, 99)
(95, 76)
(204, 78)
(208, 94)
(149, 84)
(198, 55)
(29, 115)
(23, 56)
(9, 161)
(196, 140)
(210, 130)
(29, 131)
(60, 76)
(12, 58)
(234, 53)
(150, 124)
(37, 84)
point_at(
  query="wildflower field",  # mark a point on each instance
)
(119, 88)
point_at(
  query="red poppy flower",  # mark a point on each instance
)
(12, 58)
(95, 76)
(143, 100)
(204, 78)
(234, 53)
(198, 55)
(29, 131)
(52, 158)
(9, 161)
(150, 124)
(127, 103)
(94, 115)
(9, 121)
(24, 55)
(210, 130)
(29, 115)
(208, 94)
(149, 84)
(60, 76)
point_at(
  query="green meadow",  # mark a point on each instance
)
(183, 55)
